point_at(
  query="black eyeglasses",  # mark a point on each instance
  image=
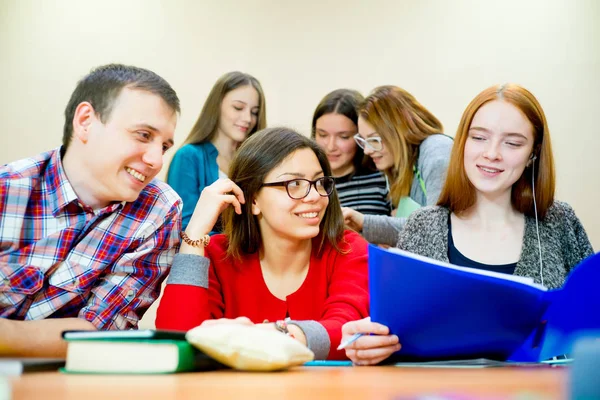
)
(299, 188)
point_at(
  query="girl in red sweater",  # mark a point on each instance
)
(284, 261)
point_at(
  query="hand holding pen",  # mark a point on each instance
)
(368, 343)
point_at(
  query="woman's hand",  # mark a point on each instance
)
(213, 200)
(353, 219)
(221, 321)
(372, 348)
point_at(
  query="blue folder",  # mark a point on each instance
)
(442, 312)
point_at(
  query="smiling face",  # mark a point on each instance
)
(383, 158)
(281, 216)
(335, 134)
(239, 113)
(498, 147)
(120, 157)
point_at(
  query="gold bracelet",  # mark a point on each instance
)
(202, 242)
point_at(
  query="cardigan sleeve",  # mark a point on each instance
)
(382, 229)
(426, 233)
(184, 304)
(577, 245)
(348, 298)
(410, 239)
(434, 157)
(186, 178)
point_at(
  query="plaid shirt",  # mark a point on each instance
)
(59, 258)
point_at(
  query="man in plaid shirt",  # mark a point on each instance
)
(86, 233)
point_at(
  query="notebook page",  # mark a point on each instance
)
(521, 279)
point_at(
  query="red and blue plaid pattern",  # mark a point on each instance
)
(59, 258)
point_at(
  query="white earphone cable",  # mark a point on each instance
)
(537, 228)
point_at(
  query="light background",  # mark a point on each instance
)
(443, 52)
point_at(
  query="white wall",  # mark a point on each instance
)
(444, 52)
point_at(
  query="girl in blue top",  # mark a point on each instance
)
(234, 109)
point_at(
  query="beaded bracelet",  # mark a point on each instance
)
(202, 242)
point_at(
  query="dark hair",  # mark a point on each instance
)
(343, 102)
(103, 85)
(255, 158)
(207, 123)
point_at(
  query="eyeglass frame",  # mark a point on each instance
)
(311, 184)
(361, 142)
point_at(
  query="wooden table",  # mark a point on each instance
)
(302, 383)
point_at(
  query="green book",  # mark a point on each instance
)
(133, 352)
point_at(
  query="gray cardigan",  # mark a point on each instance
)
(564, 241)
(434, 156)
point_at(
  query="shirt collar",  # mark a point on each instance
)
(60, 190)
(62, 193)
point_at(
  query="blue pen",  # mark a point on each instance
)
(349, 341)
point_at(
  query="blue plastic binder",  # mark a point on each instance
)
(441, 312)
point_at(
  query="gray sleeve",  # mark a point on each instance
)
(382, 229)
(317, 338)
(434, 157)
(189, 269)
(575, 238)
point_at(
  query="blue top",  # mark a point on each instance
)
(193, 167)
(458, 258)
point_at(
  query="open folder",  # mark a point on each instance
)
(440, 311)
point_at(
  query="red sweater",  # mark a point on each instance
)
(334, 291)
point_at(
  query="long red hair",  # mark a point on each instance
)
(459, 194)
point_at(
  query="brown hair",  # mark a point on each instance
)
(459, 194)
(255, 158)
(343, 102)
(103, 85)
(403, 124)
(207, 123)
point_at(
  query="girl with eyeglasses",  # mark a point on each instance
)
(284, 258)
(405, 141)
(359, 184)
(234, 109)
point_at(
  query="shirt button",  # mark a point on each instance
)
(130, 295)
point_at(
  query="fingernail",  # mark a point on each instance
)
(394, 339)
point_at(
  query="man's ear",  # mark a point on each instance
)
(255, 208)
(83, 118)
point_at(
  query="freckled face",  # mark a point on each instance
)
(498, 147)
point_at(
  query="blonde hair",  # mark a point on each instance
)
(403, 124)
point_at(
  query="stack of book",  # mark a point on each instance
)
(133, 352)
